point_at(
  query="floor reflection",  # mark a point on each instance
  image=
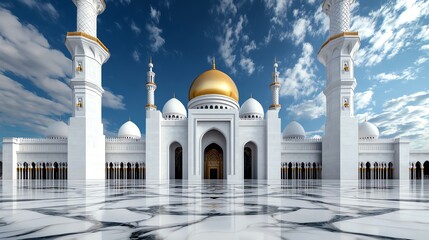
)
(214, 209)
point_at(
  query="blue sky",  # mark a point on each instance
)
(244, 36)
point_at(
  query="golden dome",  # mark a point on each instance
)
(213, 81)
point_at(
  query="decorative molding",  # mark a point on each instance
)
(87, 36)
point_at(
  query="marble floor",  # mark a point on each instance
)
(218, 210)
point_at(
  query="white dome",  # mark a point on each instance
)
(368, 130)
(57, 129)
(251, 109)
(129, 130)
(294, 130)
(174, 109)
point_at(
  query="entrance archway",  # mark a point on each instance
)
(176, 161)
(214, 155)
(250, 161)
(213, 162)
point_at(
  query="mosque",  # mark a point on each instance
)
(214, 137)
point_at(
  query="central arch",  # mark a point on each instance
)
(213, 162)
(213, 155)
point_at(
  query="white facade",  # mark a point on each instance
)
(213, 137)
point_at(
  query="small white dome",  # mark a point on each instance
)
(57, 129)
(251, 109)
(174, 110)
(294, 130)
(368, 130)
(129, 130)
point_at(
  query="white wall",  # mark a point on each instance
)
(253, 131)
(173, 131)
(302, 150)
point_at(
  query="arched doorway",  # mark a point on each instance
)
(426, 170)
(213, 162)
(176, 161)
(250, 161)
(418, 170)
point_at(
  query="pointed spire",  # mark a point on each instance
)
(214, 63)
(251, 95)
(129, 118)
(174, 94)
(276, 65)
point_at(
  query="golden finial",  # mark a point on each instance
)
(214, 63)
(150, 59)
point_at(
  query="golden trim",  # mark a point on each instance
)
(274, 83)
(151, 83)
(150, 105)
(275, 105)
(343, 34)
(85, 35)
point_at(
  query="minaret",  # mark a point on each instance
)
(86, 141)
(340, 142)
(275, 88)
(150, 87)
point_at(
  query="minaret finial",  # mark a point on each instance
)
(129, 118)
(214, 63)
(174, 94)
(150, 64)
(276, 65)
(251, 95)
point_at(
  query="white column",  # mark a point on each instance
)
(86, 140)
(339, 14)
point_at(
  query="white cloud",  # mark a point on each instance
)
(156, 41)
(42, 7)
(154, 14)
(300, 28)
(363, 99)
(421, 60)
(250, 47)
(321, 22)
(406, 74)
(226, 7)
(118, 25)
(247, 64)
(279, 9)
(300, 81)
(407, 115)
(135, 29)
(395, 25)
(424, 33)
(136, 55)
(424, 47)
(26, 54)
(22, 108)
(310, 108)
(113, 101)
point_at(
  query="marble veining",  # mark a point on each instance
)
(214, 210)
